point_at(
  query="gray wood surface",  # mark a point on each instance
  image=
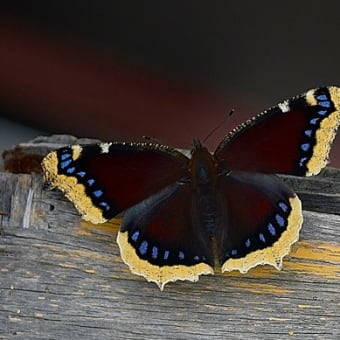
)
(61, 278)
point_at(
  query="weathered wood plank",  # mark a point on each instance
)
(63, 278)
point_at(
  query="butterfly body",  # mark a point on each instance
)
(204, 174)
(183, 216)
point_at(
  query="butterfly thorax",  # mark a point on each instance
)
(202, 166)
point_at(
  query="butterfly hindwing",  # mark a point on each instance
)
(293, 137)
(105, 179)
(160, 241)
(262, 220)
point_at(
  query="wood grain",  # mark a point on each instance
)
(62, 278)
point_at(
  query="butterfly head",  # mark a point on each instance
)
(197, 145)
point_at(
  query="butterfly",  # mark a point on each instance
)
(185, 216)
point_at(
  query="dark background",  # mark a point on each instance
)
(167, 69)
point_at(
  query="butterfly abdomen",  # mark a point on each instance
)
(207, 209)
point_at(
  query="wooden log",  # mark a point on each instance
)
(63, 278)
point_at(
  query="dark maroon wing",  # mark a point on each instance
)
(105, 179)
(261, 220)
(293, 137)
(160, 241)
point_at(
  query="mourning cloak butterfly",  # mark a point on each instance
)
(184, 215)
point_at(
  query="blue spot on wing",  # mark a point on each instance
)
(64, 156)
(166, 255)
(314, 121)
(262, 238)
(303, 161)
(233, 252)
(71, 170)
(322, 112)
(309, 133)
(143, 248)
(271, 229)
(247, 243)
(135, 235)
(283, 206)
(81, 173)
(321, 97)
(325, 104)
(98, 193)
(66, 163)
(280, 220)
(154, 252)
(90, 182)
(181, 255)
(305, 146)
(105, 205)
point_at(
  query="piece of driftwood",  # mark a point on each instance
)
(62, 278)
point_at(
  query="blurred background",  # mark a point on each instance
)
(170, 70)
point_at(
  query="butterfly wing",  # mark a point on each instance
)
(160, 240)
(293, 137)
(262, 219)
(104, 179)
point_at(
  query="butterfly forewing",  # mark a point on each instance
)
(293, 137)
(105, 179)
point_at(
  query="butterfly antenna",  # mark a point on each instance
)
(218, 126)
